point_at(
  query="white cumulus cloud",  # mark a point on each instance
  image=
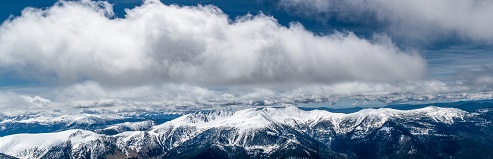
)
(154, 43)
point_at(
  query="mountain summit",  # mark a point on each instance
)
(285, 132)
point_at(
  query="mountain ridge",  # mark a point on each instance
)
(267, 133)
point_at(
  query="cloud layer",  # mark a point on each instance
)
(156, 43)
(482, 77)
(417, 20)
(91, 97)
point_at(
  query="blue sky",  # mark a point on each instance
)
(81, 52)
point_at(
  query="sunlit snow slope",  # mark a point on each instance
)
(429, 132)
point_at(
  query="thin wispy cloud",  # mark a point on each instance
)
(419, 21)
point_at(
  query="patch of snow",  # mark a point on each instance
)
(32, 145)
(133, 126)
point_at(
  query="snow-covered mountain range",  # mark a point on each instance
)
(281, 132)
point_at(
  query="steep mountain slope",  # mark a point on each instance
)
(4, 156)
(429, 132)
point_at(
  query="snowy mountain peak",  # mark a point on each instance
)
(257, 118)
(258, 131)
(35, 145)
